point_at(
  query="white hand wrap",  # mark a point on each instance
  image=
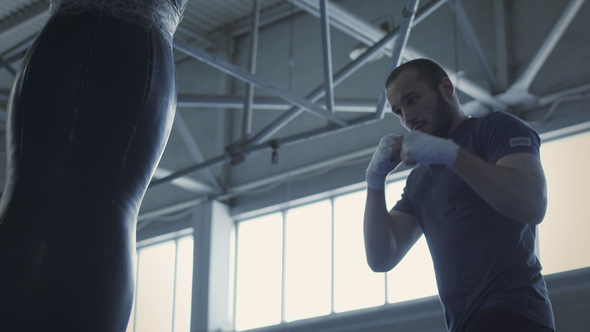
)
(382, 163)
(421, 148)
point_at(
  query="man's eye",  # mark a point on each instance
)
(412, 100)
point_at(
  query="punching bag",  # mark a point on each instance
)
(88, 119)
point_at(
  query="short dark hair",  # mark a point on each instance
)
(428, 71)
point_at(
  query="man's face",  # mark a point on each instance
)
(418, 106)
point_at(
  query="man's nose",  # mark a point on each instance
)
(408, 118)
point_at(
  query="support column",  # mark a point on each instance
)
(211, 300)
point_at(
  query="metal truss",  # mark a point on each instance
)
(364, 32)
(335, 16)
(253, 146)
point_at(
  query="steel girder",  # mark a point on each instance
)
(398, 49)
(518, 91)
(474, 45)
(339, 18)
(525, 80)
(366, 33)
(249, 98)
(263, 103)
(327, 56)
(251, 148)
(31, 12)
(233, 70)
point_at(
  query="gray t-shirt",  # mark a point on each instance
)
(482, 258)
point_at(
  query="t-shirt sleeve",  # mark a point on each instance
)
(503, 134)
(404, 204)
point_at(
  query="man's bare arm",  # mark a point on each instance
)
(388, 235)
(515, 186)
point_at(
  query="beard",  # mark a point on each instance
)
(443, 117)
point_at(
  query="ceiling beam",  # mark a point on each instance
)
(474, 45)
(501, 44)
(249, 98)
(337, 16)
(327, 56)
(254, 145)
(198, 39)
(267, 17)
(366, 33)
(193, 148)
(319, 92)
(409, 13)
(185, 183)
(8, 66)
(233, 70)
(523, 83)
(263, 103)
(31, 12)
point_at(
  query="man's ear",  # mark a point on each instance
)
(447, 89)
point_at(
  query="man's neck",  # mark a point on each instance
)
(461, 117)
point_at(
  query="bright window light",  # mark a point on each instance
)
(414, 276)
(563, 234)
(184, 285)
(259, 272)
(308, 261)
(356, 286)
(155, 288)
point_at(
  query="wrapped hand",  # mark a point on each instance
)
(421, 148)
(384, 161)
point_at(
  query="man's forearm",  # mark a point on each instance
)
(378, 232)
(516, 193)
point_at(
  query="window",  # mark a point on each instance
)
(184, 284)
(356, 286)
(413, 277)
(155, 285)
(563, 234)
(163, 287)
(308, 261)
(259, 262)
(324, 269)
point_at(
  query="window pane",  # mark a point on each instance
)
(184, 285)
(308, 261)
(414, 276)
(131, 324)
(563, 234)
(154, 288)
(259, 268)
(355, 284)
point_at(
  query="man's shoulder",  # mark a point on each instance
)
(500, 117)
